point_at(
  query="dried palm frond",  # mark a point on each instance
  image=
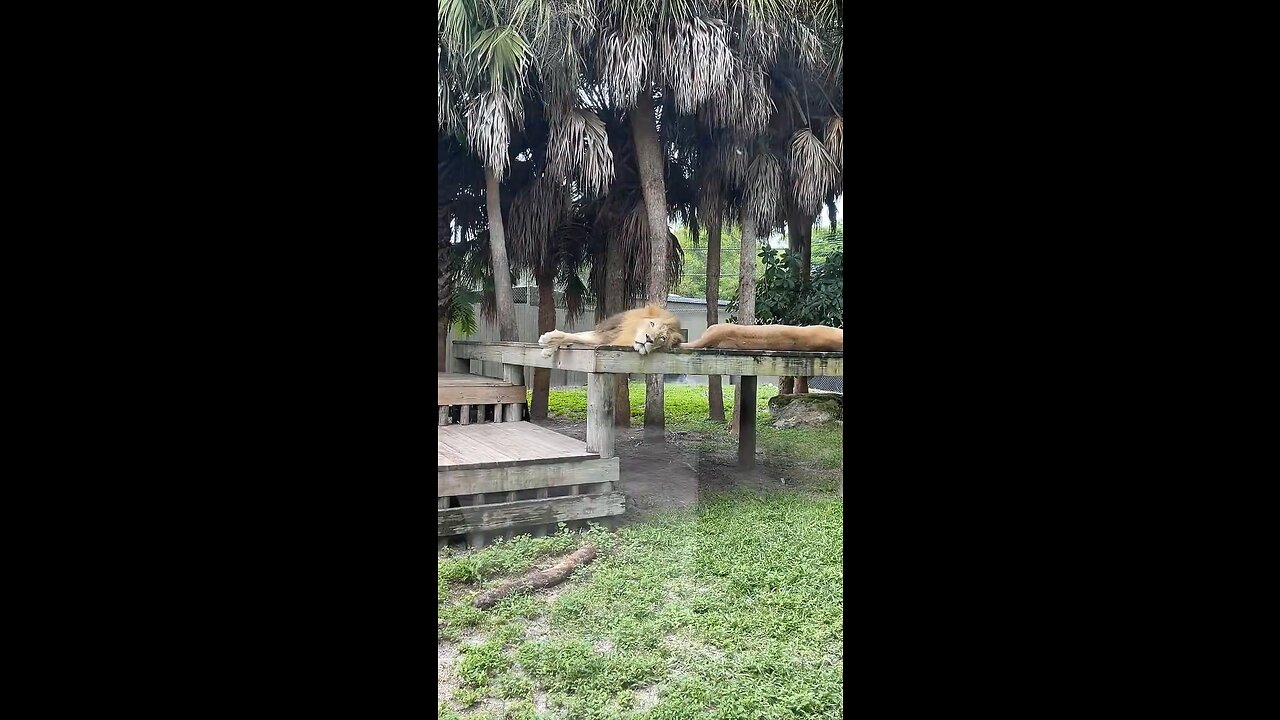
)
(622, 61)
(695, 60)
(490, 119)
(764, 188)
(813, 173)
(578, 150)
(835, 142)
(537, 210)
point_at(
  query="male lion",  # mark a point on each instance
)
(809, 338)
(646, 329)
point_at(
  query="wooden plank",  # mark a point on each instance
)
(540, 476)
(498, 516)
(464, 416)
(613, 359)
(444, 415)
(462, 395)
(468, 380)
(600, 427)
(491, 446)
(747, 422)
(459, 366)
(472, 448)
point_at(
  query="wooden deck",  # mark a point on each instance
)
(507, 475)
(491, 445)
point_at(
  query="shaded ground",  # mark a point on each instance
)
(675, 474)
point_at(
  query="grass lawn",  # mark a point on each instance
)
(730, 610)
(686, 410)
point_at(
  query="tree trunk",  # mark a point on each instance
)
(806, 252)
(498, 254)
(442, 344)
(715, 393)
(653, 187)
(615, 298)
(746, 300)
(444, 286)
(546, 323)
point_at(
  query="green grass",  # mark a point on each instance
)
(687, 410)
(731, 611)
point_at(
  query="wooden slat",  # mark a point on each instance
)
(613, 359)
(491, 445)
(471, 448)
(444, 415)
(464, 416)
(511, 478)
(468, 380)
(478, 394)
(497, 516)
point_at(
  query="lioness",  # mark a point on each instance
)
(808, 338)
(646, 329)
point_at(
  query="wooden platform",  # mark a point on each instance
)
(471, 447)
(603, 363)
(506, 476)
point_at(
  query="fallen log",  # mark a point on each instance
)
(537, 580)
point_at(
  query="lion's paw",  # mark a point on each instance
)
(546, 338)
(548, 352)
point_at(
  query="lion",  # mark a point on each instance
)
(645, 329)
(806, 338)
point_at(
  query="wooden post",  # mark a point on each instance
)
(746, 399)
(513, 374)
(444, 414)
(600, 429)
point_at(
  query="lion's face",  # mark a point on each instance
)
(663, 334)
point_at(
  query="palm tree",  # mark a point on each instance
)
(483, 60)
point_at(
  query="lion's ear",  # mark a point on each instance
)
(676, 339)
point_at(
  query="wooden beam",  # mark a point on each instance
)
(524, 477)
(475, 520)
(461, 395)
(600, 428)
(747, 422)
(615, 359)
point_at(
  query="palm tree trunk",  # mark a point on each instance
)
(498, 254)
(715, 393)
(746, 299)
(806, 251)
(615, 294)
(546, 323)
(653, 187)
(444, 286)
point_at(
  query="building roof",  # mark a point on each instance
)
(523, 293)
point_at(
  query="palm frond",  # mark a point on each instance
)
(813, 173)
(489, 123)
(578, 150)
(622, 61)
(764, 188)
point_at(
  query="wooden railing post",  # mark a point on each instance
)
(600, 428)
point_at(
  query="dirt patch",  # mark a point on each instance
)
(674, 474)
(447, 682)
(646, 698)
